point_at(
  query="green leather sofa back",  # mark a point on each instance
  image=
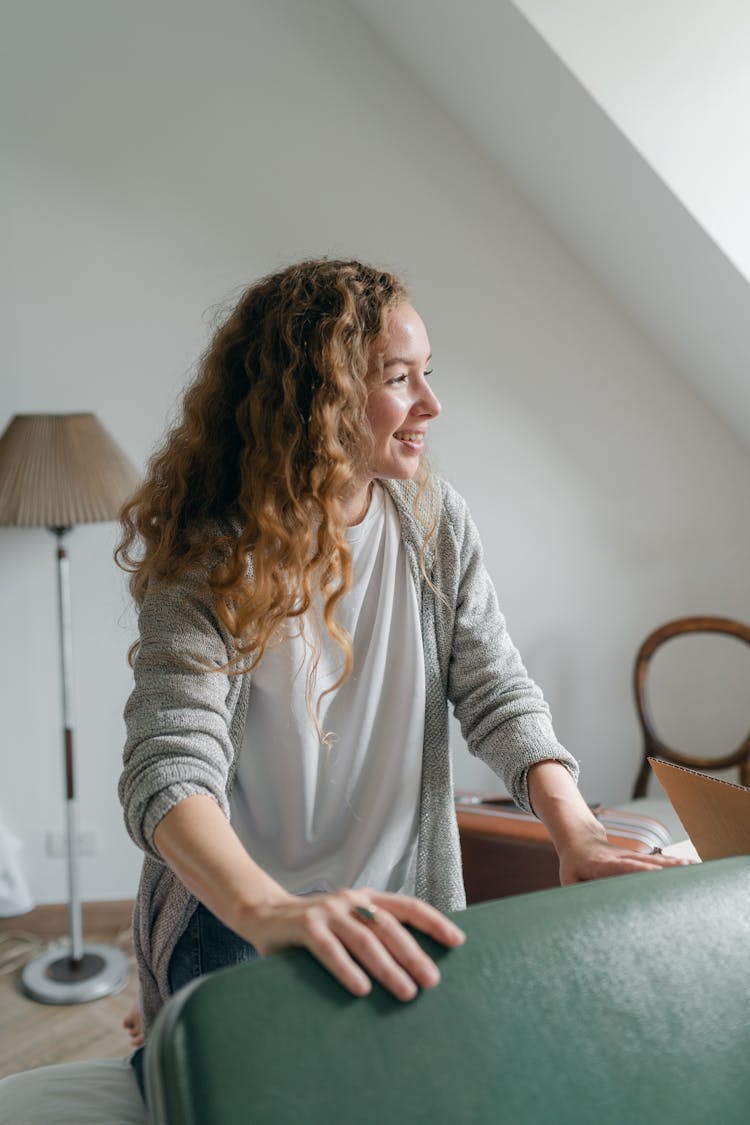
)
(617, 1002)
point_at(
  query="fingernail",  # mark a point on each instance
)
(362, 985)
(432, 974)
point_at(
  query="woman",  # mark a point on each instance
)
(311, 598)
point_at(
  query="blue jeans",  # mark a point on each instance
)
(205, 946)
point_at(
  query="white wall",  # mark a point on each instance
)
(161, 155)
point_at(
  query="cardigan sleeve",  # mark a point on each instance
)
(503, 715)
(178, 715)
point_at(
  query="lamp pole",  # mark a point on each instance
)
(84, 972)
(71, 819)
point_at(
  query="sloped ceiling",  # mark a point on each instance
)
(675, 79)
(502, 83)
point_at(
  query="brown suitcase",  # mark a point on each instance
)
(507, 851)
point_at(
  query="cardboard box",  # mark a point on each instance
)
(716, 813)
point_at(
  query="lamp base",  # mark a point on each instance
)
(56, 978)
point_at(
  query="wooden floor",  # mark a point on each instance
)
(33, 1034)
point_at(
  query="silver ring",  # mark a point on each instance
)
(365, 913)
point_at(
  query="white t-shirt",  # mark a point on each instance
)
(318, 817)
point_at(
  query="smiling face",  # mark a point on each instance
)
(401, 403)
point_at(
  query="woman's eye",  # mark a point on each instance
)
(426, 373)
(398, 379)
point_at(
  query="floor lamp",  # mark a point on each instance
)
(57, 470)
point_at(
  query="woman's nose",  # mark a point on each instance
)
(429, 403)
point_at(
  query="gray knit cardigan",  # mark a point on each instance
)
(185, 725)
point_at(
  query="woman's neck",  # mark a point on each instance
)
(356, 507)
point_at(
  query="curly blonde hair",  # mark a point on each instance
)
(272, 434)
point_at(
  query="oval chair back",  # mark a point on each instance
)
(653, 745)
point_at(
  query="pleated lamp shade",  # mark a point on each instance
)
(57, 470)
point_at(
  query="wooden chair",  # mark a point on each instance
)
(653, 745)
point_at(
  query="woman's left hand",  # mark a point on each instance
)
(592, 857)
(580, 840)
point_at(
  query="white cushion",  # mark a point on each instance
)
(92, 1092)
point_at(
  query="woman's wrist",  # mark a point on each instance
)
(580, 837)
(253, 911)
(557, 801)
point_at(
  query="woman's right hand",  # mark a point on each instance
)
(353, 947)
(201, 847)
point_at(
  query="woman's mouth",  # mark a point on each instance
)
(410, 437)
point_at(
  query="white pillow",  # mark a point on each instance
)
(92, 1092)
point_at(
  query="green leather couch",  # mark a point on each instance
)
(620, 1002)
